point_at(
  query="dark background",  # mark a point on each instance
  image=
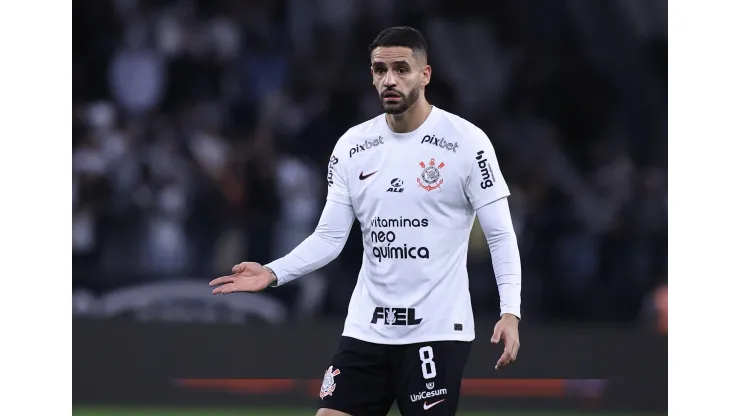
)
(202, 130)
(157, 364)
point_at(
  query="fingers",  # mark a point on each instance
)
(249, 267)
(222, 280)
(225, 289)
(511, 349)
(505, 360)
(229, 282)
(239, 268)
(514, 349)
(243, 282)
(497, 330)
(507, 357)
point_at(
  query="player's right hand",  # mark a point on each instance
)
(246, 277)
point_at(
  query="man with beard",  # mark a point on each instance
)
(415, 177)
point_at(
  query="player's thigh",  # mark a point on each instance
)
(428, 377)
(358, 381)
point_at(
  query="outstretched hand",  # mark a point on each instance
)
(246, 277)
(507, 329)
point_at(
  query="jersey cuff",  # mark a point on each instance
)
(483, 202)
(277, 272)
(512, 311)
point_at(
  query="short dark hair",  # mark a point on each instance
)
(404, 36)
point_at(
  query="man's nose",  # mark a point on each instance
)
(389, 80)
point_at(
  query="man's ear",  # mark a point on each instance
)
(426, 76)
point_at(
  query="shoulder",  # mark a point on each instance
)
(360, 131)
(359, 138)
(470, 141)
(467, 133)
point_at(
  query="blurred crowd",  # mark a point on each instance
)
(202, 130)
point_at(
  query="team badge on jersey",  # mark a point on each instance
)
(431, 177)
(328, 385)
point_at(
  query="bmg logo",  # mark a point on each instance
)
(486, 172)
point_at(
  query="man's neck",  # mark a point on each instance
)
(411, 119)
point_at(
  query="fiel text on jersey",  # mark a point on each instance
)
(395, 316)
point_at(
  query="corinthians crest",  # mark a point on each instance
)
(328, 386)
(430, 178)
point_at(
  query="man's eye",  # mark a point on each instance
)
(403, 70)
(380, 71)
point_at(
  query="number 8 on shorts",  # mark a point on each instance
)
(428, 369)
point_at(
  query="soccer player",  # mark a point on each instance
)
(415, 177)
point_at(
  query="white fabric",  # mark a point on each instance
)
(318, 249)
(415, 196)
(495, 220)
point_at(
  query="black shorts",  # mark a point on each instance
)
(424, 379)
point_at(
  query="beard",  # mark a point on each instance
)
(404, 101)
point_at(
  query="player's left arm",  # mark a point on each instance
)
(487, 192)
(495, 220)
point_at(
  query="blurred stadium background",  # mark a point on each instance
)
(201, 134)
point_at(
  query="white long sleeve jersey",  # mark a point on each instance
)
(416, 196)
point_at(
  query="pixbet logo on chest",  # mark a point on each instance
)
(435, 141)
(361, 147)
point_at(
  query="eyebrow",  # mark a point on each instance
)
(401, 62)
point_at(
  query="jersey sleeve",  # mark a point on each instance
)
(336, 177)
(484, 183)
(495, 221)
(320, 248)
